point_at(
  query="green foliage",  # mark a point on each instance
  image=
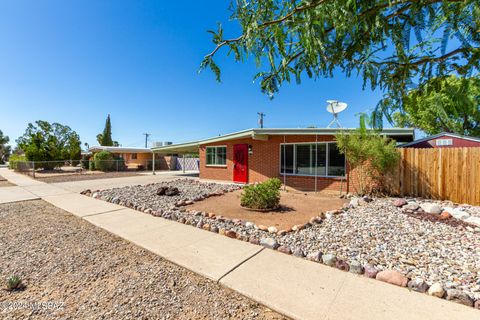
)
(265, 195)
(91, 165)
(445, 104)
(14, 283)
(389, 44)
(104, 161)
(14, 160)
(49, 142)
(5, 149)
(370, 154)
(106, 136)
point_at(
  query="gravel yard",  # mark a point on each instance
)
(87, 273)
(67, 177)
(376, 234)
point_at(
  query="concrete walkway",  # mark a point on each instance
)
(295, 287)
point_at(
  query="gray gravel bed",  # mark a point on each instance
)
(375, 233)
(87, 273)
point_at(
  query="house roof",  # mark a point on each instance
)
(435, 136)
(403, 134)
(119, 149)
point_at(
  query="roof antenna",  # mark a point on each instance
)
(335, 107)
(260, 120)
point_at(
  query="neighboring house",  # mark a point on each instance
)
(443, 140)
(303, 158)
(136, 158)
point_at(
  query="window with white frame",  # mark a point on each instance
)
(310, 159)
(216, 156)
(444, 142)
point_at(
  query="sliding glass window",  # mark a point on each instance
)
(310, 159)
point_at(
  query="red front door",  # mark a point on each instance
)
(240, 163)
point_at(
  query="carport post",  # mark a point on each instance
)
(184, 163)
(153, 162)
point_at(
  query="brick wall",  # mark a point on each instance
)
(264, 163)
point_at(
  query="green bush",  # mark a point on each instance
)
(265, 195)
(91, 165)
(104, 161)
(14, 160)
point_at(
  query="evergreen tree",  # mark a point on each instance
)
(106, 139)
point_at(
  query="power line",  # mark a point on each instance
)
(146, 138)
(260, 120)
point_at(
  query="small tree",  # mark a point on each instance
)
(5, 149)
(370, 154)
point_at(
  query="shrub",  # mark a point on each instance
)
(14, 160)
(14, 283)
(265, 195)
(370, 154)
(104, 161)
(91, 165)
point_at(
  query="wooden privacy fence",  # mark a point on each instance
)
(438, 173)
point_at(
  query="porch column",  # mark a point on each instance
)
(153, 162)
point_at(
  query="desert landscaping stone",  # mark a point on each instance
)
(270, 243)
(298, 252)
(315, 256)
(473, 220)
(459, 297)
(272, 229)
(392, 277)
(399, 202)
(411, 206)
(476, 305)
(436, 290)
(329, 259)
(285, 250)
(342, 265)
(370, 271)
(356, 267)
(432, 208)
(418, 285)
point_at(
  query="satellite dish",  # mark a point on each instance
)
(335, 107)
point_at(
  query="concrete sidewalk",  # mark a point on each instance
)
(295, 287)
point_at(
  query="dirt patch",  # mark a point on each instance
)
(5, 183)
(90, 175)
(295, 208)
(74, 270)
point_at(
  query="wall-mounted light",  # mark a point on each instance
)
(250, 149)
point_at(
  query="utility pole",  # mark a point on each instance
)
(260, 120)
(146, 138)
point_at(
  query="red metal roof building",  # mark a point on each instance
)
(444, 140)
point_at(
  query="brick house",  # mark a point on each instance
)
(444, 140)
(137, 158)
(303, 158)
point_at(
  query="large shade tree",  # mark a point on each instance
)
(5, 149)
(43, 141)
(392, 45)
(446, 104)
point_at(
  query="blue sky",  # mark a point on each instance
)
(76, 61)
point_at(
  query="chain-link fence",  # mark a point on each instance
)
(40, 169)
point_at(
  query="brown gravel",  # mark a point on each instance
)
(67, 177)
(295, 208)
(89, 274)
